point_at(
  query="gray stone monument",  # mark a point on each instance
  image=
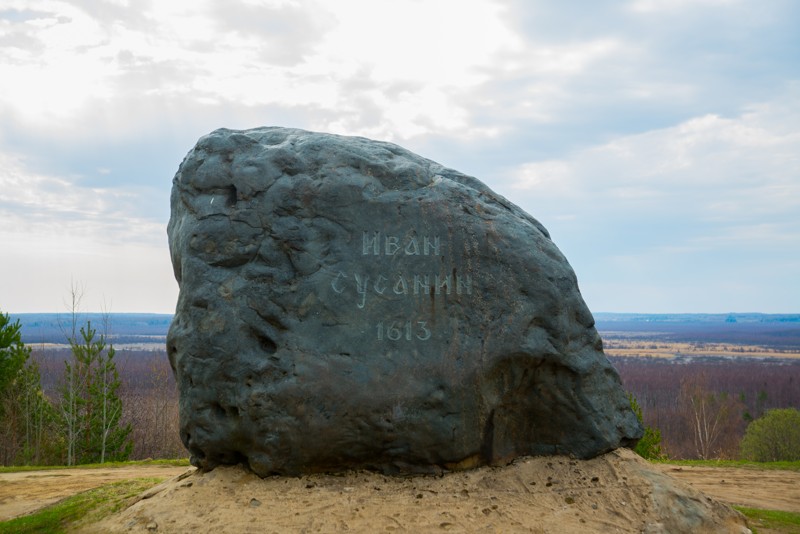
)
(345, 303)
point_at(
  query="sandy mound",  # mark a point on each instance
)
(617, 492)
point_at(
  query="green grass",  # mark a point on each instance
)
(784, 522)
(176, 462)
(745, 464)
(87, 507)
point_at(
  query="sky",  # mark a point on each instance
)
(657, 140)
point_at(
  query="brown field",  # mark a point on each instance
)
(660, 349)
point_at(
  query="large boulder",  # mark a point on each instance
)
(345, 303)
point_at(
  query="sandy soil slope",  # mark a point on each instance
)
(515, 498)
(617, 492)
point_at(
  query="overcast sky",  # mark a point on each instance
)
(657, 140)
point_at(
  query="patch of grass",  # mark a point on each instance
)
(784, 522)
(176, 462)
(85, 507)
(746, 464)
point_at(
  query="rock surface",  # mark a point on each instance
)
(345, 303)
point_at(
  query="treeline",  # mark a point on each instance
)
(148, 392)
(89, 402)
(123, 327)
(702, 406)
(73, 406)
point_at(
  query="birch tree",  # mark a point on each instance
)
(73, 406)
(91, 408)
(713, 418)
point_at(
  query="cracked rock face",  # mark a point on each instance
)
(345, 303)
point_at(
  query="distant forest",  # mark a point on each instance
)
(123, 328)
(779, 331)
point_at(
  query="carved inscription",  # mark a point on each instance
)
(394, 284)
(397, 330)
(401, 285)
(375, 244)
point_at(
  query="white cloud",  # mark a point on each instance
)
(673, 219)
(413, 70)
(628, 127)
(439, 42)
(55, 231)
(193, 51)
(708, 168)
(58, 209)
(658, 6)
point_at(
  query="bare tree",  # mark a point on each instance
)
(712, 416)
(152, 390)
(91, 408)
(75, 378)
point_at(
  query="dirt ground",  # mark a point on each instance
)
(614, 493)
(752, 488)
(24, 492)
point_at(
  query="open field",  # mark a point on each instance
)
(742, 486)
(647, 348)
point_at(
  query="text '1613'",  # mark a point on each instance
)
(403, 330)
